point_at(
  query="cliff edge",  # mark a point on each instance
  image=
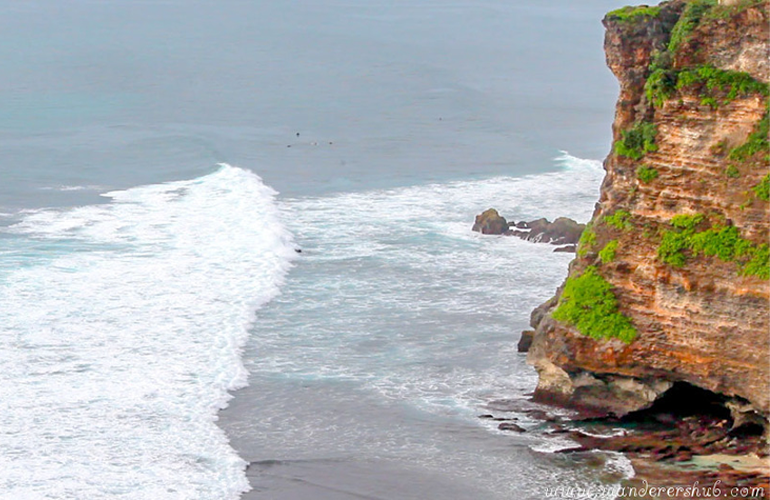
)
(670, 283)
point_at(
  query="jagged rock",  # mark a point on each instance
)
(744, 414)
(490, 222)
(562, 231)
(526, 340)
(538, 314)
(566, 248)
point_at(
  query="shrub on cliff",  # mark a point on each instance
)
(715, 86)
(759, 264)
(607, 254)
(629, 13)
(587, 240)
(646, 174)
(660, 86)
(588, 304)
(723, 242)
(619, 220)
(757, 142)
(687, 222)
(637, 141)
(674, 243)
(732, 83)
(762, 190)
(732, 172)
(671, 249)
(688, 21)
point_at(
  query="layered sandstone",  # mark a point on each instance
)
(705, 323)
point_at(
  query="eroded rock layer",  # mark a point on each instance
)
(688, 135)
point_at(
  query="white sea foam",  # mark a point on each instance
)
(553, 444)
(398, 293)
(619, 464)
(118, 351)
(399, 308)
(65, 188)
(408, 255)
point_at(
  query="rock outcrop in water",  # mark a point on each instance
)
(490, 222)
(670, 283)
(562, 231)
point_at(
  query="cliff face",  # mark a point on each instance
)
(670, 283)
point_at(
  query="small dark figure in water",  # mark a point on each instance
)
(298, 250)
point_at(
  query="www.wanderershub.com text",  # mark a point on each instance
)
(695, 490)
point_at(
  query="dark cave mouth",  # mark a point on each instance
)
(684, 400)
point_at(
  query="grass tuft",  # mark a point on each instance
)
(633, 14)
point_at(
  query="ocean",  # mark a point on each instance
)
(164, 161)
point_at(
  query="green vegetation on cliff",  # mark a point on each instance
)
(714, 86)
(660, 86)
(723, 242)
(673, 243)
(757, 142)
(762, 190)
(587, 240)
(637, 141)
(759, 264)
(607, 254)
(688, 21)
(732, 83)
(732, 172)
(646, 174)
(629, 13)
(725, 11)
(619, 220)
(697, 11)
(588, 304)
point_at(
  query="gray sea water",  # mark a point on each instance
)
(161, 160)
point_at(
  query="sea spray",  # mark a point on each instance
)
(119, 347)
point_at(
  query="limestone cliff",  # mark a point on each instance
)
(671, 279)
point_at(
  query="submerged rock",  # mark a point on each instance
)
(509, 426)
(490, 222)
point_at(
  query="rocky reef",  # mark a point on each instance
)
(563, 231)
(670, 286)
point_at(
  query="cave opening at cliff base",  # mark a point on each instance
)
(684, 400)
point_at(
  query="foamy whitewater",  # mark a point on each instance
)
(122, 332)
(125, 322)
(142, 280)
(396, 329)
